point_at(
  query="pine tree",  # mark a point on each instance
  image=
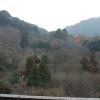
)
(33, 77)
(44, 71)
(36, 59)
(44, 74)
(44, 59)
(29, 64)
(37, 72)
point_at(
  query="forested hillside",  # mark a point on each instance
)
(34, 61)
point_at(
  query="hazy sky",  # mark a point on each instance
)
(52, 14)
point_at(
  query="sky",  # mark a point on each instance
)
(52, 14)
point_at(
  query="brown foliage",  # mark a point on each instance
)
(79, 85)
(50, 92)
(4, 89)
(89, 62)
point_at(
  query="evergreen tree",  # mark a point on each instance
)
(44, 74)
(33, 77)
(36, 59)
(29, 64)
(37, 72)
(24, 37)
(61, 34)
(32, 74)
(44, 59)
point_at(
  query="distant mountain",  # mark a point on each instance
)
(86, 27)
(10, 29)
(7, 19)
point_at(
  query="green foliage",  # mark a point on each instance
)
(29, 64)
(4, 89)
(44, 74)
(32, 73)
(3, 19)
(31, 61)
(44, 59)
(93, 45)
(33, 77)
(61, 34)
(36, 59)
(2, 61)
(24, 38)
(14, 78)
(37, 72)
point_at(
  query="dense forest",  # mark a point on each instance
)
(34, 61)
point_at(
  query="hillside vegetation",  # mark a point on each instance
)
(36, 62)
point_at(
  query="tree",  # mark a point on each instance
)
(32, 72)
(24, 37)
(37, 72)
(44, 71)
(61, 34)
(93, 45)
(33, 77)
(44, 59)
(36, 59)
(44, 74)
(93, 62)
(89, 62)
(29, 64)
(84, 62)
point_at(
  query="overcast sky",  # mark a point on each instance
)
(52, 14)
